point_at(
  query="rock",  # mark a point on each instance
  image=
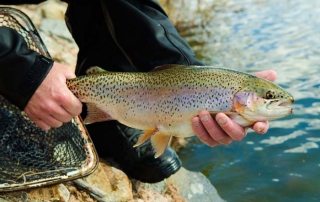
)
(56, 28)
(63, 193)
(60, 49)
(78, 195)
(52, 9)
(184, 186)
(57, 192)
(146, 192)
(159, 187)
(108, 183)
(194, 186)
(58, 41)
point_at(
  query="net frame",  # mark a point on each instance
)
(30, 178)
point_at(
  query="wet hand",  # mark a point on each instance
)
(53, 103)
(221, 129)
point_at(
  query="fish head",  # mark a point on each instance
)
(261, 100)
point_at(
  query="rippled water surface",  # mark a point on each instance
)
(253, 35)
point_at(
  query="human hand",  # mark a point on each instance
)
(223, 130)
(53, 103)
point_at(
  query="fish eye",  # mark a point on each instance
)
(270, 94)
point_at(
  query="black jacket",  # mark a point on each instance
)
(21, 70)
(121, 35)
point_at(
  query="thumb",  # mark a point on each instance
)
(68, 71)
(69, 74)
(270, 75)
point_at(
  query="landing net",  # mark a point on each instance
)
(29, 156)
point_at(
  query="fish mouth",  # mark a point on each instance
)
(286, 103)
(280, 104)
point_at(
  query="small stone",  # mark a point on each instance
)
(63, 192)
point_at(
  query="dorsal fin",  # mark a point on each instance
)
(95, 70)
(160, 141)
(164, 67)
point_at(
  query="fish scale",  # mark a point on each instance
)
(163, 102)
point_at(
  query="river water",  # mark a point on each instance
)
(254, 35)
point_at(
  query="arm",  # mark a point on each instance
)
(21, 69)
(34, 83)
(223, 130)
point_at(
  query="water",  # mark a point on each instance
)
(255, 35)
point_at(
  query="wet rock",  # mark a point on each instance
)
(194, 186)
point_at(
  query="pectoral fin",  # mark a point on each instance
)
(160, 142)
(240, 101)
(95, 114)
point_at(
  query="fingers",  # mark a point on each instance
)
(41, 124)
(231, 128)
(63, 95)
(261, 127)
(53, 103)
(42, 116)
(209, 131)
(53, 109)
(221, 130)
(71, 104)
(214, 129)
(45, 121)
(202, 133)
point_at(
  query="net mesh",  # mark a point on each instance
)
(30, 156)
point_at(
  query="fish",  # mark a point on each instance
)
(162, 102)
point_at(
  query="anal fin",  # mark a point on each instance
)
(160, 142)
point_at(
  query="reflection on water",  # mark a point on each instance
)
(255, 35)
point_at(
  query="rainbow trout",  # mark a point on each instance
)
(162, 102)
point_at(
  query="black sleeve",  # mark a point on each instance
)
(15, 2)
(21, 70)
